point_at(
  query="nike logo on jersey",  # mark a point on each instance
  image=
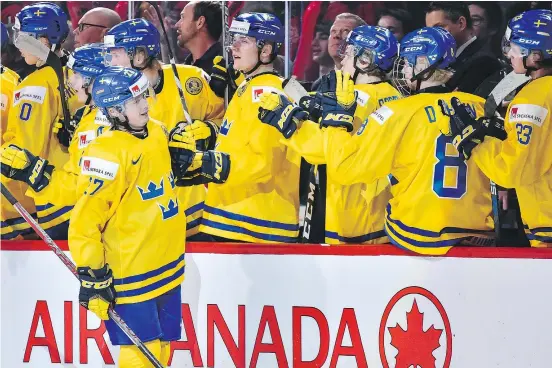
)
(134, 162)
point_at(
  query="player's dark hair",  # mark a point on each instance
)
(453, 10)
(212, 11)
(399, 14)
(493, 11)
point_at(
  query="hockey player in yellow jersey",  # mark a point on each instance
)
(259, 202)
(36, 106)
(354, 213)
(13, 225)
(520, 157)
(136, 43)
(126, 234)
(439, 200)
(86, 63)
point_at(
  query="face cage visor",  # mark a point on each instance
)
(405, 75)
(363, 57)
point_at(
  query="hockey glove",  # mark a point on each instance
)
(466, 130)
(204, 133)
(207, 167)
(339, 111)
(276, 110)
(182, 150)
(64, 132)
(221, 77)
(21, 165)
(97, 292)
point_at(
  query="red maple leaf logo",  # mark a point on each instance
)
(415, 345)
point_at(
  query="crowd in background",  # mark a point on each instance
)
(313, 49)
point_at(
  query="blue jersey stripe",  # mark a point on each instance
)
(149, 274)
(15, 221)
(429, 233)
(194, 208)
(544, 239)
(44, 207)
(394, 235)
(251, 220)
(151, 287)
(55, 214)
(255, 234)
(355, 239)
(193, 224)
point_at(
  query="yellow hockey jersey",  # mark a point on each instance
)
(36, 106)
(13, 225)
(62, 189)
(128, 214)
(260, 200)
(354, 213)
(202, 105)
(439, 200)
(523, 161)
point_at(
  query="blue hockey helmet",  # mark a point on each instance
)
(88, 61)
(132, 35)
(117, 85)
(435, 43)
(4, 36)
(532, 32)
(372, 45)
(42, 20)
(264, 27)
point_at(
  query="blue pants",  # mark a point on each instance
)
(157, 318)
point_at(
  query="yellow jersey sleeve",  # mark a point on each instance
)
(519, 160)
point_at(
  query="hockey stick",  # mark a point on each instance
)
(507, 85)
(294, 90)
(173, 66)
(41, 51)
(224, 39)
(71, 266)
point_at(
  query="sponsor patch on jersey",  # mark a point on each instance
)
(362, 97)
(3, 102)
(528, 113)
(86, 137)
(30, 93)
(382, 114)
(100, 119)
(99, 167)
(194, 85)
(258, 91)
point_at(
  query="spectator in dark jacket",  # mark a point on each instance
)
(199, 30)
(487, 22)
(473, 63)
(397, 21)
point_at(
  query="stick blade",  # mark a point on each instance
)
(508, 84)
(32, 46)
(295, 90)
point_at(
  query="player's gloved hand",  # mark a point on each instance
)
(466, 130)
(207, 167)
(182, 149)
(221, 77)
(65, 132)
(339, 111)
(97, 292)
(21, 165)
(277, 110)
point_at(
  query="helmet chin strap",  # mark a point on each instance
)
(124, 126)
(424, 75)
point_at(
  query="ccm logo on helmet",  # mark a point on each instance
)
(413, 48)
(271, 33)
(132, 39)
(111, 99)
(528, 42)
